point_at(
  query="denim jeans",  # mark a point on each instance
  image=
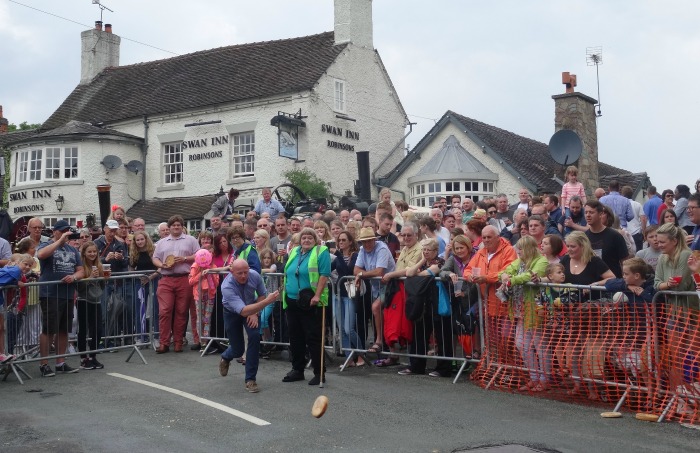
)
(536, 354)
(348, 322)
(234, 325)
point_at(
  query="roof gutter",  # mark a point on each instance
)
(403, 194)
(374, 173)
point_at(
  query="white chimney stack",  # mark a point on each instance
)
(99, 50)
(353, 22)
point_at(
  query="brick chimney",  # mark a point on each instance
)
(99, 50)
(3, 123)
(353, 22)
(575, 111)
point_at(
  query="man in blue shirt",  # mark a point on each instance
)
(620, 205)
(373, 260)
(244, 296)
(267, 204)
(61, 265)
(652, 205)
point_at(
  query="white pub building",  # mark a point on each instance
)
(167, 135)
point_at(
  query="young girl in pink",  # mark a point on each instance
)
(572, 187)
(204, 301)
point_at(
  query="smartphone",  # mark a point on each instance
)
(74, 236)
(330, 244)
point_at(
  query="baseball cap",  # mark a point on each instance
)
(61, 225)
(112, 224)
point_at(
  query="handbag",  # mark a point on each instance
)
(303, 300)
(444, 305)
(115, 304)
(94, 293)
(467, 322)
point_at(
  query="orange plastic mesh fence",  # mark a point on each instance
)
(589, 348)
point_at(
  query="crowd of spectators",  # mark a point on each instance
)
(491, 245)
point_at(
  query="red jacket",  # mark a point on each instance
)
(505, 254)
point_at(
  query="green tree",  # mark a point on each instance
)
(309, 183)
(23, 126)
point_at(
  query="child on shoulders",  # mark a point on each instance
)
(572, 187)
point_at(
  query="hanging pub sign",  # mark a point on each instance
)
(288, 133)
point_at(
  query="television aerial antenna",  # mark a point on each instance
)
(594, 56)
(102, 8)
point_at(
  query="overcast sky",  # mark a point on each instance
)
(498, 62)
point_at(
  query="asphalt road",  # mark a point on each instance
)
(370, 409)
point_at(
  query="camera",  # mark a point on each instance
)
(74, 236)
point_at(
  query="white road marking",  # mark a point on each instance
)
(221, 407)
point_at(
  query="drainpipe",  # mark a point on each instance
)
(410, 129)
(144, 154)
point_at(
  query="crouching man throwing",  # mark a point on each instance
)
(244, 296)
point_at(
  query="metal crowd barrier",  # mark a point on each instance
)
(676, 375)
(441, 338)
(123, 323)
(583, 344)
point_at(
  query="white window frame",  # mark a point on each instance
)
(51, 221)
(52, 167)
(34, 165)
(71, 163)
(173, 169)
(339, 96)
(243, 154)
(194, 226)
(22, 162)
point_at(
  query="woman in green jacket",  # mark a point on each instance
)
(529, 336)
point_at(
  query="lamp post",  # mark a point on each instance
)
(59, 202)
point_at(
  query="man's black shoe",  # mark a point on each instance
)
(293, 376)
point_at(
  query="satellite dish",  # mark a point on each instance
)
(565, 147)
(111, 162)
(134, 166)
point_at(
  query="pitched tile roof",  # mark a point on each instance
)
(81, 129)
(158, 210)
(210, 77)
(453, 159)
(528, 157)
(16, 136)
(523, 157)
(637, 181)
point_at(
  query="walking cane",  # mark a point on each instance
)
(323, 343)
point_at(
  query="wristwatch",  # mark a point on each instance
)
(360, 275)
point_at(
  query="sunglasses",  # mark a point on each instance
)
(492, 212)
